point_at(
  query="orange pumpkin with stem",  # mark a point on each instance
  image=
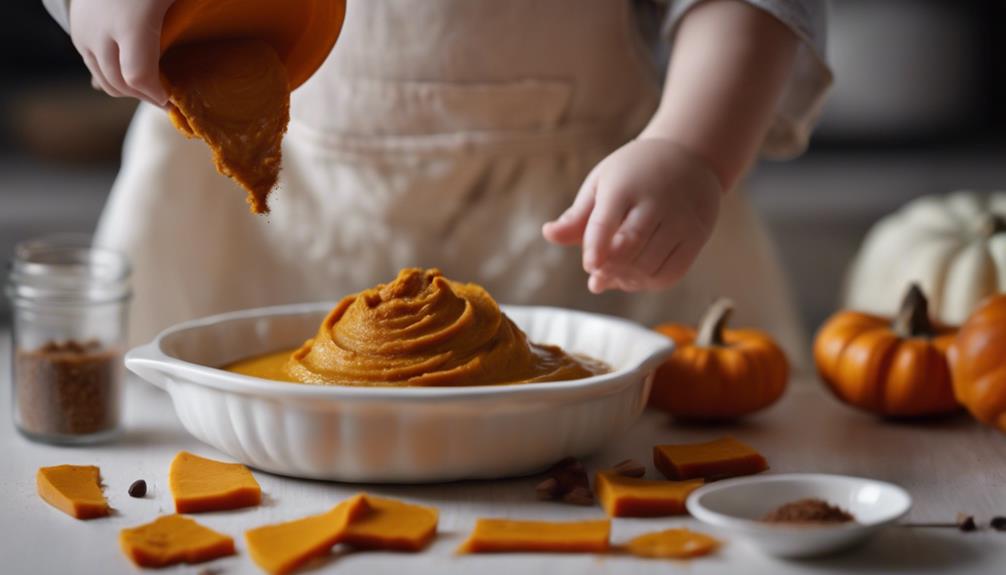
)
(893, 368)
(716, 373)
(978, 363)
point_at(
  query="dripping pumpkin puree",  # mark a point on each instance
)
(422, 329)
(234, 95)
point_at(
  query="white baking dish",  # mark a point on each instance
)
(398, 435)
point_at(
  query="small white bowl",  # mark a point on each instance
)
(393, 434)
(735, 506)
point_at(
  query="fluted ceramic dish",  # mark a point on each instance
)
(398, 435)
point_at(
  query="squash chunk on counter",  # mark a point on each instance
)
(283, 547)
(173, 539)
(718, 459)
(392, 525)
(235, 95)
(200, 484)
(73, 489)
(631, 497)
(504, 535)
(672, 544)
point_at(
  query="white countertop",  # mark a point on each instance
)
(949, 466)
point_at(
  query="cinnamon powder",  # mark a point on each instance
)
(805, 511)
(68, 388)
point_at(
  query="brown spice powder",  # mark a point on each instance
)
(69, 388)
(808, 511)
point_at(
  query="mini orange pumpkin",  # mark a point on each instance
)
(977, 363)
(894, 368)
(716, 373)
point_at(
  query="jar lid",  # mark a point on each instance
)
(67, 269)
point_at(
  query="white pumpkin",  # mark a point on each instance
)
(954, 246)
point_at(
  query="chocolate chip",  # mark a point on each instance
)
(566, 481)
(138, 488)
(998, 523)
(966, 522)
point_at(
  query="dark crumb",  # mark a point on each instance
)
(630, 468)
(138, 488)
(998, 523)
(566, 481)
(808, 511)
(966, 522)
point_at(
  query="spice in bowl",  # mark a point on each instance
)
(809, 511)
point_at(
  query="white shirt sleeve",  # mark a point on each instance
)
(60, 12)
(804, 95)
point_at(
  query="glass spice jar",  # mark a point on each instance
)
(69, 302)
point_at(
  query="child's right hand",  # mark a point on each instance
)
(120, 43)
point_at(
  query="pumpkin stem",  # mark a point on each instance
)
(913, 317)
(993, 224)
(713, 322)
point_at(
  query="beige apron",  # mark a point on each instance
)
(438, 133)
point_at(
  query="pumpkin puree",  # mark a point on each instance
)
(235, 95)
(422, 329)
(672, 544)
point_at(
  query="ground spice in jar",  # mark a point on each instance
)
(69, 388)
(804, 511)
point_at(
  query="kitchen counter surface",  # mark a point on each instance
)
(949, 466)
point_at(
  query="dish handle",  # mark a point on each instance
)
(658, 356)
(143, 361)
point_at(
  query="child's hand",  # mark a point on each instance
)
(642, 215)
(120, 43)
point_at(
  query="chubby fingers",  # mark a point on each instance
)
(108, 59)
(655, 264)
(605, 219)
(139, 59)
(569, 227)
(98, 79)
(635, 234)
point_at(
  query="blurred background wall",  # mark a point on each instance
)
(919, 107)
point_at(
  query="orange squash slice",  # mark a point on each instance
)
(173, 539)
(73, 489)
(200, 484)
(505, 535)
(283, 547)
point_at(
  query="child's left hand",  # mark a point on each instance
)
(642, 216)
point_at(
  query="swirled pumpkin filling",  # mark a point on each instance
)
(421, 329)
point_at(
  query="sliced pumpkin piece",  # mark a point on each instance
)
(505, 535)
(199, 484)
(283, 547)
(392, 525)
(718, 459)
(172, 539)
(633, 497)
(73, 489)
(672, 544)
(235, 95)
